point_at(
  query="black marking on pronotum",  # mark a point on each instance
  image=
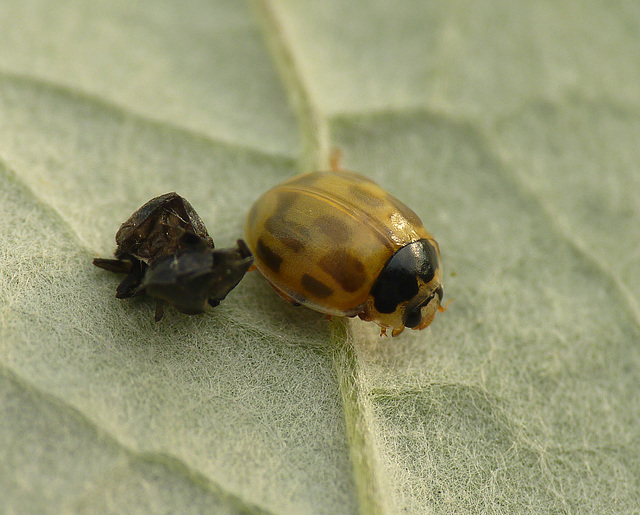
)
(398, 280)
(347, 270)
(413, 317)
(268, 256)
(428, 260)
(315, 287)
(391, 290)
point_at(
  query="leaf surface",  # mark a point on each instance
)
(511, 128)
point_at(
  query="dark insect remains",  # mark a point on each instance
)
(166, 253)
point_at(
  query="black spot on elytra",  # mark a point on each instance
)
(347, 270)
(290, 234)
(268, 256)
(286, 199)
(315, 287)
(334, 228)
(391, 289)
(292, 244)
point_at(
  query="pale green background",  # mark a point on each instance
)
(512, 128)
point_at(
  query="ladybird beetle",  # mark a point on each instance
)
(336, 242)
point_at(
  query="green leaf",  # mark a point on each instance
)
(511, 128)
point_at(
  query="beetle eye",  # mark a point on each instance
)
(414, 318)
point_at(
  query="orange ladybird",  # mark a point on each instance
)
(336, 242)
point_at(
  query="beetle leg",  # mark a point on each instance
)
(118, 266)
(396, 332)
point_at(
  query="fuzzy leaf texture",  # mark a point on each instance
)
(510, 127)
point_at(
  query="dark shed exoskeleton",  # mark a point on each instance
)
(167, 253)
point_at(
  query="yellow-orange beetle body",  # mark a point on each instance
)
(337, 243)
